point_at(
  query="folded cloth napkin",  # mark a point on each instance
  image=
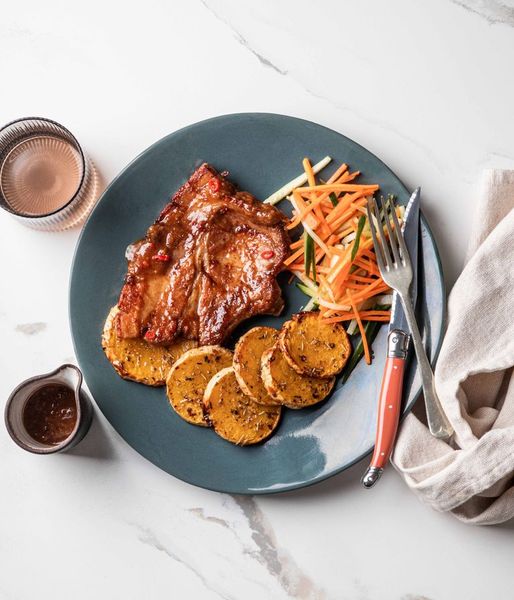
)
(473, 476)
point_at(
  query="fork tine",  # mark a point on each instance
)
(397, 229)
(399, 235)
(392, 241)
(376, 243)
(384, 246)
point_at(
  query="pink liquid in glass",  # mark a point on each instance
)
(40, 175)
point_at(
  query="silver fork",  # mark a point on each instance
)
(396, 271)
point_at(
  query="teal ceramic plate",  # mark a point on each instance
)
(261, 152)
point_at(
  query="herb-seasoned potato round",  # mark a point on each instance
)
(247, 362)
(234, 415)
(286, 386)
(312, 347)
(189, 377)
(137, 360)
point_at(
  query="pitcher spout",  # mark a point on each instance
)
(72, 376)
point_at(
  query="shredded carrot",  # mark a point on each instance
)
(364, 315)
(297, 267)
(336, 306)
(339, 266)
(290, 260)
(367, 251)
(367, 265)
(353, 285)
(311, 180)
(335, 176)
(347, 274)
(340, 220)
(367, 354)
(326, 206)
(314, 235)
(324, 227)
(352, 176)
(378, 289)
(339, 282)
(313, 206)
(324, 284)
(343, 205)
(308, 171)
(300, 212)
(361, 278)
(337, 187)
(339, 251)
(310, 220)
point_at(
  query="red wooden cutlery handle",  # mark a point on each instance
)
(389, 406)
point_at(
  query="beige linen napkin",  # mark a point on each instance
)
(473, 477)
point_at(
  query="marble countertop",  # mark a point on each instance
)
(428, 87)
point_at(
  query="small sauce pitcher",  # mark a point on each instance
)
(66, 377)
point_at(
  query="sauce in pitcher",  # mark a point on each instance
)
(50, 414)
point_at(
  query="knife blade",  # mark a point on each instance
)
(389, 405)
(411, 236)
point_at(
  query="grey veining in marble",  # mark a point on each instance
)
(147, 536)
(244, 42)
(278, 563)
(237, 521)
(336, 104)
(493, 11)
(31, 328)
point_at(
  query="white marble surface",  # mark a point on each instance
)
(426, 86)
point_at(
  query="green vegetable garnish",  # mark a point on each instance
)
(310, 256)
(306, 290)
(333, 199)
(357, 240)
(308, 249)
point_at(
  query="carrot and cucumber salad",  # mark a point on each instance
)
(334, 258)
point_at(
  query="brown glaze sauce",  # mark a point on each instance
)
(50, 414)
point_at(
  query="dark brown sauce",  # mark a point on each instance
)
(50, 413)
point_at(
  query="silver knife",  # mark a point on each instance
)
(397, 345)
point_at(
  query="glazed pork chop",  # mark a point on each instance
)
(208, 262)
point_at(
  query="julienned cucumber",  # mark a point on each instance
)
(356, 243)
(310, 256)
(306, 290)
